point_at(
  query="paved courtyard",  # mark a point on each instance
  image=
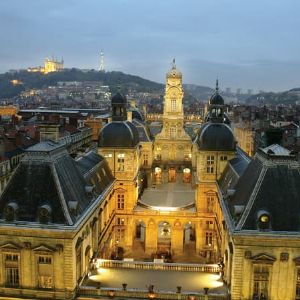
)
(162, 280)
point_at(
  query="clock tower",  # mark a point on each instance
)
(173, 143)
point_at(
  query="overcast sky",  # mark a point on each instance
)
(246, 43)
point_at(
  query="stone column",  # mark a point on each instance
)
(177, 239)
(129, 235)
(151, 237)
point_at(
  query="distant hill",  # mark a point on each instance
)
(288, 97)
(115, 80)
(198, 91)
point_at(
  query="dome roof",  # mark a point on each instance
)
(118, 134)
(136, 114)
(118, 99)
(216, 99)
(216, 137)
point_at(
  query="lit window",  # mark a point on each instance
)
(121, 162)
(120, 234)
(210, 162)
(108, 155)
(209, 239)
(120, 221)
(121, 201)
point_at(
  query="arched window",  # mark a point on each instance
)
(173, 104)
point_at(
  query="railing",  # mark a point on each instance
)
(90, 292)
(207, 268)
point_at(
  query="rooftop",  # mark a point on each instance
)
(169, 196)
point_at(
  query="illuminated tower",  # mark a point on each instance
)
(173, 143)
(101, 67)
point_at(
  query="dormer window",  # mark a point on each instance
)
(44, 213)
(263, 220)
(10, 211)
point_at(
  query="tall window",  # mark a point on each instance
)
(223, 158)
(120, 221)
(173, 132)
(210, 203)
(210, 162)
(121, 201)
(208, 238)
(120, 234)
(78, 262)
(145, 159)
(45, 271)
(209, 225)
(173, 104)
(261, 280)
(298, 284)
(121, 162)
(12, 269)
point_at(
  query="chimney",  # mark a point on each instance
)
(49, 132)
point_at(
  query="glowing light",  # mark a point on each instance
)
(102, 271)
(164, 208)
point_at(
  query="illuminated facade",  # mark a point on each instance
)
(50, 65)
(53, 65)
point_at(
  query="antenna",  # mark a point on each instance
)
(101, 67)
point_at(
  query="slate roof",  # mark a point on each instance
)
(215, 137)
(270, 183)
(143, 130)
(118, 134)
(233, 171)
(48, 175)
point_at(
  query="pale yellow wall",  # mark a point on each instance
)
(282, 277)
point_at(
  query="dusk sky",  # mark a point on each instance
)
(246, 44)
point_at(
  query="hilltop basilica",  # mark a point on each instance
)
(170, 196)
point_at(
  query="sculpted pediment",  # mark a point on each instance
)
(263, 258)
(43, 248)
(10, 246)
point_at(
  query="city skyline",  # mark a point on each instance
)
(249, 45)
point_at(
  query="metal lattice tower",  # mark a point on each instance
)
(101, 67)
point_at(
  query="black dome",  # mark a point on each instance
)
(136, 114)
(118, 134)
(216, 137)
(216, 99)
(118, 99)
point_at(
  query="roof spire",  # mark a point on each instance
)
(173, 64)
(217, 86)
